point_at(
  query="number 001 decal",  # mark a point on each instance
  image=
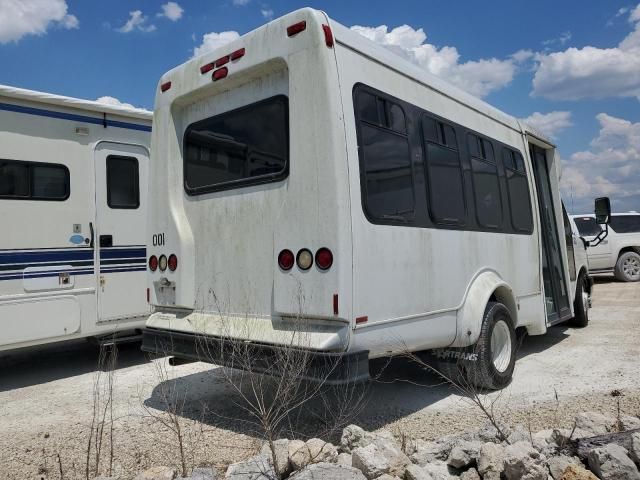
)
(158, 239)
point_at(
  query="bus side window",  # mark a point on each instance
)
(444, 173)
(22, 180)
(518, 191)
(486, 187)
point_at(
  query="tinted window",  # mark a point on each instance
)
(518, 191)
(245, 146)
(486, 187)
(625, 223)
(123, 190)
(587, 226)
(444, 172)
(33, 181)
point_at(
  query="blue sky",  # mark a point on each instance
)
(572, 67)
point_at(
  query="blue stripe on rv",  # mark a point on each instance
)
(73, 117)
(40, 256)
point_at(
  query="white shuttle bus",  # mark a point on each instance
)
(302, 172)
(73, 202)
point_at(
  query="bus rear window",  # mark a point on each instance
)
(246, 146)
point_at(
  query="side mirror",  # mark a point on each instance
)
(603, 210)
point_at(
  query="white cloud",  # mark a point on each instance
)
(213, 40)
(172, 11)
(32, 17)
(478, 77)
(137, 21)
(611, 167)
(562, 39)
(240, 2)
(107, 100)
(592, 72)
(267, 13)
(549, 124)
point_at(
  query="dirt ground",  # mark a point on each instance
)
(47, 398)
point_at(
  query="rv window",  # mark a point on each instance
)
(485, 183)
(242, 147)
(587, 226)
(518, 190)
(625, 223)
(123, 185)
(444, 173)
(21, 180)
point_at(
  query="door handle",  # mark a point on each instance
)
(92, 234)
(106, 241)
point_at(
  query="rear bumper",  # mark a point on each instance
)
(327, 367)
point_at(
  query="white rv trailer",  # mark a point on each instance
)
(73, 201)
(303, 171)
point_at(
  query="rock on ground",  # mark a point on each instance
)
(635, 447)
(314, 450)
(415, 472)
(157, 473)
(629, 422)
(204, 473)
(370, 461)
(328, 471)
(558, 464)
(259, 467)
(354, 436)
(464, 454)
(522, 461)
(594, 423)
(577, 472)
(423, 452)
(471, 474)
(491, 460)
(344, 459)
(611, 462)
(281, 460)
(438, 470)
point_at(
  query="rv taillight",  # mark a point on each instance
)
(207, 68)
(162, 263)
(222, 61)
(286, 259)
(328, 35)
(173, 262)
(153, 263)
(237, 54)
(296, 28)
(324, 258)
(304, 259)
(219, 74)
(165, 86)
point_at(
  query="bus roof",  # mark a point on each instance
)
(88, 105)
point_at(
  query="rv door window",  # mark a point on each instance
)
(21, 180)
(123, 189)
(242, 147)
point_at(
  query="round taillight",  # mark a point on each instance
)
(173, 262)
(304, 259)
(324, 258)
(153, 263)
(162, 263)
(286, 259)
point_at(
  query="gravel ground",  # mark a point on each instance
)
(46, 398)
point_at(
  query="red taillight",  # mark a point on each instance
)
(237, 54)
(207, 68)
(324, 258)
(173, 262)
(286, 259)
(153, 263)
(165, 86)
(328, 35)
(360, 320)
(220, 74)
(222, 61)
(296, 28)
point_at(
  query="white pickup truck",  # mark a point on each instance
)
(619, 252)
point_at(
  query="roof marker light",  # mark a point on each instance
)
(219, 74)
(296, 28)
(165, 86)
(222, 61)
(207, 68)
(237, 54)
(328, 35)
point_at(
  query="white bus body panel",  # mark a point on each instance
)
(50, 279)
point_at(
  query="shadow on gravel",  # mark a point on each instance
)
(47, 363)
(399, 389)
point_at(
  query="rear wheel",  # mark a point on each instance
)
(628, 267)
(495, 349)
(581, 304)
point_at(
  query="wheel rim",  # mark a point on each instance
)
(501, 346)
(631, 267)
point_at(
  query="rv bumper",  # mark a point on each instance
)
(332, 368)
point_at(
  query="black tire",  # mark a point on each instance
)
(580, 307)
(483, 373)
(628, 267)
